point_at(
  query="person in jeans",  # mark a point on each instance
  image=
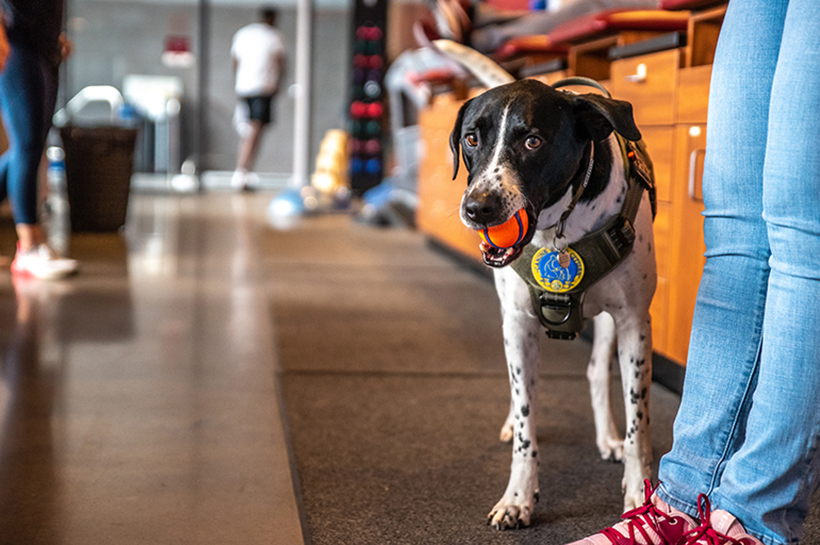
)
(28, 93)
(745, 458)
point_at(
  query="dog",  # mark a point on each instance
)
(529, 146)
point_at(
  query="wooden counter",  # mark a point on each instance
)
(669, 92)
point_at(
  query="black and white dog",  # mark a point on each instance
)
(527, 146)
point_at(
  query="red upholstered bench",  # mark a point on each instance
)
(537, 44)
(605, 23)
(641, 23)
(589, 38)
(689, 4)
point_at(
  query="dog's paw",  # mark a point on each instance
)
(635, 475)
(632, 501)
(507, 432)
(612, 450)
(633, 495)
(511, 514)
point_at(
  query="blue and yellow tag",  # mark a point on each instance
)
(551, 276)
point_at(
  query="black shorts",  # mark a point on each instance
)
(260, 108)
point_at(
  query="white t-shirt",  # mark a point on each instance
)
(256, 48)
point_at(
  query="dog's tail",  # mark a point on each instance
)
(488, 72)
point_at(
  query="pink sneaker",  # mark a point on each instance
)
(653, 523)
(717, 528)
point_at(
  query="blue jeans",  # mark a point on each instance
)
(747, 430)
(28, 91)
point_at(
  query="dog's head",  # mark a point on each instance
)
(523, 145)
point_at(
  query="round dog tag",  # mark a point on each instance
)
(551, 275)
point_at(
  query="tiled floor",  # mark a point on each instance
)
(138, 400)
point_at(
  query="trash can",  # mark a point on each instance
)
(99, 162)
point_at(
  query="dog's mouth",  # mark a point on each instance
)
(496, 257)
(499, 257)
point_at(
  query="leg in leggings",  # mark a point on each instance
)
(746, 432)
(28, 91)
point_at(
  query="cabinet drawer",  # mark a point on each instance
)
(649, 83)
(693, 94)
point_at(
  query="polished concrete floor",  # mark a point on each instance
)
(138, 400)
(144, 401)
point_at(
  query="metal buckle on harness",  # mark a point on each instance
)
(620, 237)
(561, 315)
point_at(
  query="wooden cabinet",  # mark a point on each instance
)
(693, 94)
(669, 103)
(687, 250)
(439, 194)
(649, 82)
(659, 141)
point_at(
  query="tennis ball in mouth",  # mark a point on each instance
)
(507, 234)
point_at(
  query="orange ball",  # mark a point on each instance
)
(509, 233)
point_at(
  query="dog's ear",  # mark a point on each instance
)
(455, 137)
(600, 116)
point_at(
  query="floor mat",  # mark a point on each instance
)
(395, 389)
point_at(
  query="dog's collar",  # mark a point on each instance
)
(559, 226)
(559, 303)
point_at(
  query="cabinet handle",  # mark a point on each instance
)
(693, 166)
(639, 76)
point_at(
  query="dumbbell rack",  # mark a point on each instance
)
(367, 108)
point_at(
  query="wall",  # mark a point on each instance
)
(330, 76)
(113, 39)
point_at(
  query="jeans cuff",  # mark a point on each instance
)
(686, 507)
(767, 539)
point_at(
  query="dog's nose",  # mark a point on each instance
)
(482, 208)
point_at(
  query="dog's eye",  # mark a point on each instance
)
(471, 140)
(533, 142)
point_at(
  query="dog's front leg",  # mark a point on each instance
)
(609, 442)
(508, 428)
(521, 347)
(635, 358)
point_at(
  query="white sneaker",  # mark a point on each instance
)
(251, 182)
(239, 179)
(40, 262)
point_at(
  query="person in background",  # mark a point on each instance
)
(258, 55)
(745, 459)
(28, 93)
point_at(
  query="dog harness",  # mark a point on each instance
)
(558, 279)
